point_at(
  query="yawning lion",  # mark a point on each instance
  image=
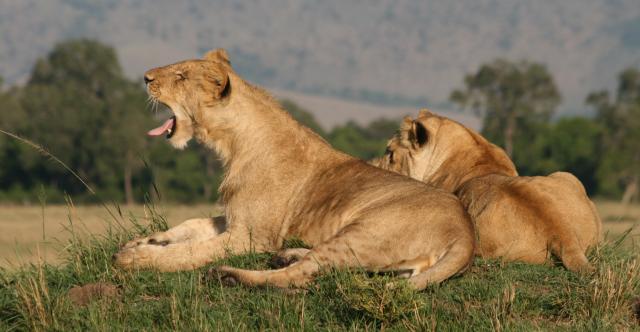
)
(282, 180)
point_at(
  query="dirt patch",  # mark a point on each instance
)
(83, 295)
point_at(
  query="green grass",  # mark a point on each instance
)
(490, 296)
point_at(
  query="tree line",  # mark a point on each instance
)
(78, 105)
(517, 101)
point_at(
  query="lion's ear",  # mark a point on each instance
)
(406, 123)
(405, 130)
(223, 86)
(218, 55)
(418, 136)
(424, 112)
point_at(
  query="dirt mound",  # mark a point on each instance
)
(83, 295)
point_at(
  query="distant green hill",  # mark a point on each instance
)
(398, 52)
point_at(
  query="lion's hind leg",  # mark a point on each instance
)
(412, 267)
(454, 261)
(295, 275)
(573, 256)
(421, 271)
(576, 261)
(341, 251)
(346, 251)
(565, 244)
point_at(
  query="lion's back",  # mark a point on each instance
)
(557, 202)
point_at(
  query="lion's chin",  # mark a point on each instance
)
(179, 142)
(183, 131)
(182, 135)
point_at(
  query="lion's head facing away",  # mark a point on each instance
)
(442, 152)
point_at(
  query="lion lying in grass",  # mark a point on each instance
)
(516, 218)
(282, 180)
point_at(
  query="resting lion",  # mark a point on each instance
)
(517, 218)
(282, 180)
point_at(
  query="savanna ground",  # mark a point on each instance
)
(78, 243)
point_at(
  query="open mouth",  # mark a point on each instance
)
(168, 127)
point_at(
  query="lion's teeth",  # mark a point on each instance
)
(169, 130)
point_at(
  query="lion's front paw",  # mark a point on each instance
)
(134, 243)
(139, 256)
(287, 257)
(279, 262)
(156, 239)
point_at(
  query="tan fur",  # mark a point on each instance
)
(282, 180)
(516, 218)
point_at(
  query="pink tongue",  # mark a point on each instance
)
(162, 129)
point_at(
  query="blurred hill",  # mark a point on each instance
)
(333, 111)
(405, 52)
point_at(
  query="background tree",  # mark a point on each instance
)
(13, 119)
(130, 122)
(83, 109)
(571, 144)
(619, 171)
(303, 116)
(511, 97)
(79, 105)
(364, 142)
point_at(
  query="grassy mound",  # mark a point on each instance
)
(491, 295)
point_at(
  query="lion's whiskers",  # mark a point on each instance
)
(154, 104)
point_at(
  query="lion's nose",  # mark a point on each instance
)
(148, 78)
